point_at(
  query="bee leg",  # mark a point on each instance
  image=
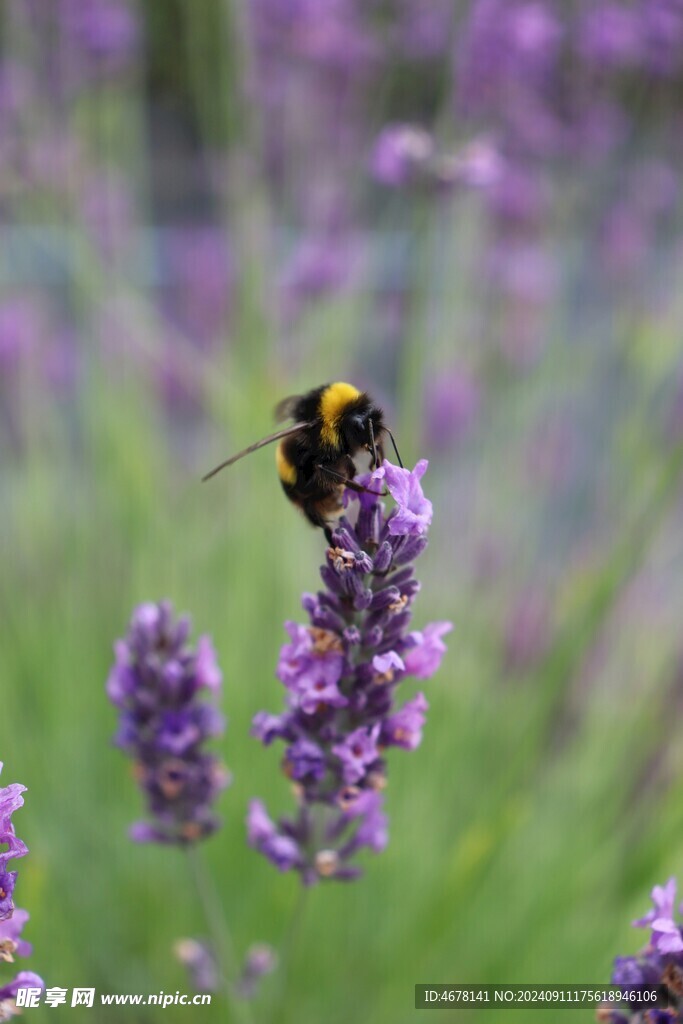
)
(351, 484)
(359, 489)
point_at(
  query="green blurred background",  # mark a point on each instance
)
(196, 223)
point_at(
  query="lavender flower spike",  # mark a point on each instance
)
(156, 683)
(12, 920)
(659, 963)
(342, 673)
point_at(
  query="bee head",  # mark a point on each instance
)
(363, 429)
(357, 429)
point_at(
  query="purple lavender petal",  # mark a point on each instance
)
(414, 513)
(424, 658)
(404, 728)
(25, 979)
(357, 752)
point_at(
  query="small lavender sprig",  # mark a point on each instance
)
(156, 682)
(659, 963)
(12, 920)
(11, 800)
(342, 673)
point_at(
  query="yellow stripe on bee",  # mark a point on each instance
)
(333, 404)
(285, 470)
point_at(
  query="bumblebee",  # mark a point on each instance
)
(333, 425)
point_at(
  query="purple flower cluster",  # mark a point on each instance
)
(259, 961)
(550, 79)
(155, 682)
(342, 673)
(407, 154)
(12, 920)
(543, 85)
(107, 30)
(103, 36)
(549, 74)
(659, 963)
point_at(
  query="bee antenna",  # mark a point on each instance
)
(254, 447)
(395, 448)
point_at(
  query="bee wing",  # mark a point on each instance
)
(284, 410)
(254, 447)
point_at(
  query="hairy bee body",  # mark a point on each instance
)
(315, 456)
(316, 463)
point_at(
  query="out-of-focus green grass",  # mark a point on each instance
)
(526, 831)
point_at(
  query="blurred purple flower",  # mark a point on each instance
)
(21, 331)
(611, 36)
(319, 265)
(664, 899)
(543, 76)
(662, 30)
(11, 942)
(329, 34)
(504, 49)
(527, 631)
(404, 727)
(424, 27)
(452, 404)
(304, 759)
(401, 154)
(423, 656)
(595, 131)
(341, 673)
(666, 934)
(357, 752)
(202, 275)
(647, 35)
(200, 963)
(264, 835)
(16, 89)
(155, 683)
(260, 961)
(524, 274)
(11, 846)
(659, 963)
(12, 920)
(479, 164)
(106, 32)
(313, 65)
(519, 197)
(8, 993)
(628, 234)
